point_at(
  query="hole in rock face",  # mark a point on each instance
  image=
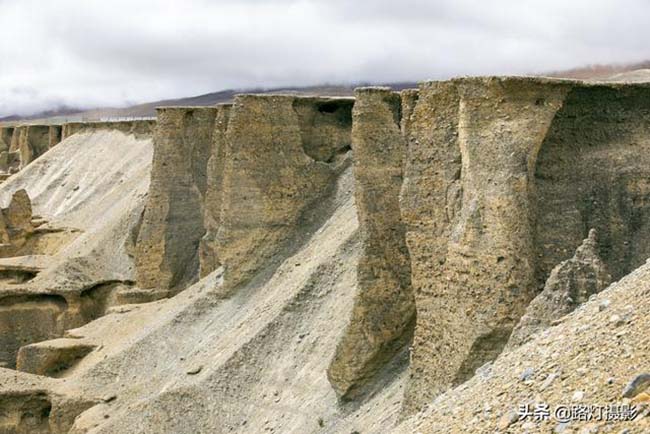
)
(325, 126)
(328, 107)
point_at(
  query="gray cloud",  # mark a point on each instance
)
(96, 53)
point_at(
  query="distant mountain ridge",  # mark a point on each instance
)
(149, 109)
(69, 114)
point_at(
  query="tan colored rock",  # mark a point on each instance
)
(34, 141)
(5, 138)
(138, 127)
(166, 253)
(54, 135)
(594, 174)
(15, 223)
(570, 284)
(208, 255)
(18, 131)
(28, 319)
(472, 247)
(51, 357)
(271, 175)
(384, 312)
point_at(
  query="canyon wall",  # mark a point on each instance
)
(280, 158)
(384, 312)
(229, 184)
(172, 226)
(473, 196)
(138, 127)
(208, 255)
(501, 179)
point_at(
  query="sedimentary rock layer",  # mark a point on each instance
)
(208, 256)
(54, 135)
(570, 284)
(279, 159)
(138, 127)
(503, 178)
(167, 246)
(384, 312)
(33, 142)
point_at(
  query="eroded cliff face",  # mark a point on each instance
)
(137, 127)
(470, 195)
(570, 284)
(166, 251)
(478, 209)
(384, 312)
(34, 141)
(485, 277)
(229, 184)
(208, 255)
(280, 158)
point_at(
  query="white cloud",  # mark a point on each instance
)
(98, 53)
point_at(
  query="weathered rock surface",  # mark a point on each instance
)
(51, 357)
(500, 183)
(585, 356)
(479, 186)
(27, 319)
(273, 172)
(54, 135)
(384, 312)
(15, 223)
(139, 127)
(5, 137)
(166, 252)
(570, 284)
(208, 255)
(34, 141)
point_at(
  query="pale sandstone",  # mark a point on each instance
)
(570, 284)
(166, 251)
(271, 174)
(384, 311)
(208, 255)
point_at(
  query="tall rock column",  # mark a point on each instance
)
(384, 310)
(429, 200)
(33, 142)
(166, 252)
(488, 274)
(54, 135)
(209, 257)
(278, 162)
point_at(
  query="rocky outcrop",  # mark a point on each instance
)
(229, 184)
(384, 312)
(466, 200)
(15, 224)
(593, 172)
(570, 284)
(280, 158)
(5, 137)
(34, 141)
(166, 253)
(208, 256)
(27, 319)
(54, 135)
(51, 357)
(138, 127)
(501, 183)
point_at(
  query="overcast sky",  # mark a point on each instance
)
(89, 53)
